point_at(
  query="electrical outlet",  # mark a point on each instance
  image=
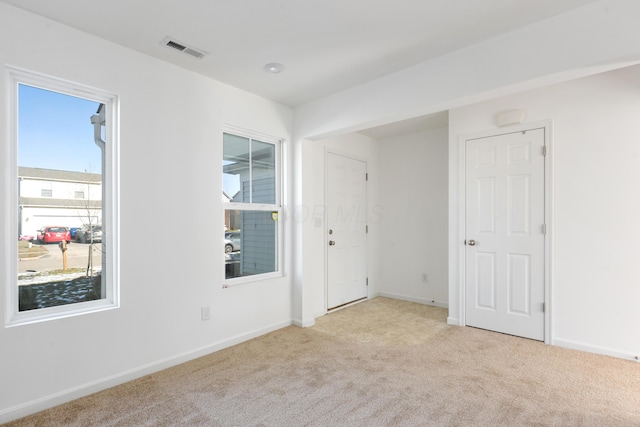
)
(205, 313)
(425, 277)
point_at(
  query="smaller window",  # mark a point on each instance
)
(79, 195)
(251, 192)
(46, 192)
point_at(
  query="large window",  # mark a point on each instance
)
(251, 191)
(62, 196)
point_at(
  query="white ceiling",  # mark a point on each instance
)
(404, 127)
(325, 45)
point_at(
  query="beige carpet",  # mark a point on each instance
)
(379, 363)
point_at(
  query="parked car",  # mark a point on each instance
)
(84, 235)
(73, 231)
(231, 241)
(52, 234)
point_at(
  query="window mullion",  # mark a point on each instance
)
(251, 170)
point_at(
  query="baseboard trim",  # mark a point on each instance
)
(301, 324)
(453, 321)
(55, 399)
(590, 348)
(419, 300)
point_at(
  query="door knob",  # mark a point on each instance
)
(471, 242)
(331, 243)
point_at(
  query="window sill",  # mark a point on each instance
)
(59, 312)
(228, 283)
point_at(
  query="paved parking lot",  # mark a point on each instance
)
(77, 256)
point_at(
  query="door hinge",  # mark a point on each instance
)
(366, 176)
(367, 228)
(544, 307)
(544, 229)
(544, 150)
(367, 281)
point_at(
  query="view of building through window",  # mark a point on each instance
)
(251, 189)
(60, 199)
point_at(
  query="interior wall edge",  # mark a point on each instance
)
(590, 348)
(418, 300)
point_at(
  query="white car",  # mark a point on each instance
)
(231, 241)
(84, 234)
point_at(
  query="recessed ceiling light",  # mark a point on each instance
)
(274, 68)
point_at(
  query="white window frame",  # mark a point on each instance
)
(110, 206)
(247, 206)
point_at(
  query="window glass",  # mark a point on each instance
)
(252, 249)
(235, 166)
(263, 172)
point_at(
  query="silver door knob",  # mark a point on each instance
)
(471, 242)
(331, 243)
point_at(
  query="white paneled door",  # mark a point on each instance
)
(346, 199)
(504, 232)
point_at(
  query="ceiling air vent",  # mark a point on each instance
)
(169, 41)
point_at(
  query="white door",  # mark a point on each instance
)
(346, 199)
(504, 289)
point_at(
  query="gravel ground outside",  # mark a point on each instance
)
(59, 289)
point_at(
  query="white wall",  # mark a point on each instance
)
(313, 206)
(60, 190)
(407, 211)
(413, 196)
(33, 218)
(170, 178)
(598, 37)
(595, 229)
(171, 122)
(585, 41)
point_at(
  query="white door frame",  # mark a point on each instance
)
(328, 151)
(548, 217)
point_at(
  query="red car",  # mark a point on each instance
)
(54, 234)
